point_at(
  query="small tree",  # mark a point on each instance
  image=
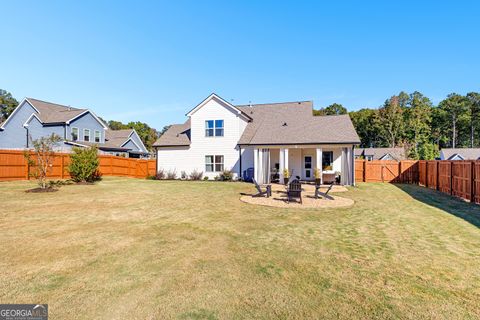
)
(84, 164)
(43, 158)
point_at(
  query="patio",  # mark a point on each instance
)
(279, 198)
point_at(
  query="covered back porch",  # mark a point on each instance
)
(335, 163)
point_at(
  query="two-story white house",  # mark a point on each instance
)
(263, 138)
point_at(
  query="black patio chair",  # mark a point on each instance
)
(294, 190)
(319, 194)
(262, 193)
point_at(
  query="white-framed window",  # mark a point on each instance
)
(327, 160)
(97, 136)
(86, 135)
(214, 163)
(214, 128)
(74, 134)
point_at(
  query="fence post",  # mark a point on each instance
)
(451, 177)
(426, 174)
(27, 168)
(472, 182)
(111, 165)
(365, 175)
(437, 164)
(400, 178)
(62, 166)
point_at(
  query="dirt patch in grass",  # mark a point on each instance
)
(41, 190)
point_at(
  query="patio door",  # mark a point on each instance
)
(307, 167)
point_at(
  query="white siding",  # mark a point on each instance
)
(193, 157)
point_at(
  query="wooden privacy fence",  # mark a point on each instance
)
(457, 178)
(386, 171)
(13, 166)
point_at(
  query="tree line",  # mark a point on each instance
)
(413, 122)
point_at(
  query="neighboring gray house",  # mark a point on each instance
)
(460, 154)
(260, 140)
(35, 118)
(369, 154)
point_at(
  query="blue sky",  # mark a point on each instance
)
(154, 61)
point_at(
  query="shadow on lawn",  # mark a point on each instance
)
(465, 210)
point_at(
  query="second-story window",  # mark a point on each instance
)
(97, 136)
(74, 134)
(214, 128)
(86, 134)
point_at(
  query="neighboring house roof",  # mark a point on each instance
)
(53, 113)
(463, 153)
(278, 123)
(397, 154)
(177, 135)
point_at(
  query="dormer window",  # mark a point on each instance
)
(214, 128)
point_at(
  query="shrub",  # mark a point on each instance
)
(205, 178)
(183, 175)
(44, 157)
(84, 164)
(226, 175)
(160, 175)
(196, 175)
(171, 175)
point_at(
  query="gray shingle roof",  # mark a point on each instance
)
(465, 153)
(378, 153)
(54, 113)
(176, 135)
(117, 137)
(278, 123)
(294, 123)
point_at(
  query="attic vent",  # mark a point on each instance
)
(285, 124)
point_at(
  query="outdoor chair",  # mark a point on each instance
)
(262, 193)
(294, 190)
(319, 194)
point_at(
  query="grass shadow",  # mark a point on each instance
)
(465, 210)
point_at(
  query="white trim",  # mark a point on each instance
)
(16, 109)
(92, 113)
(89, 135)
(456, 156)
(144, 148)
(214, 96)
(387, 155)
(130, 139)
(30, 119)
(76, 143)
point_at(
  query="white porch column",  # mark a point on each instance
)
(281, 155)
(285, 159)
(318, 163)
(256, 166)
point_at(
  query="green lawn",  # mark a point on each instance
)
(139, 249)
